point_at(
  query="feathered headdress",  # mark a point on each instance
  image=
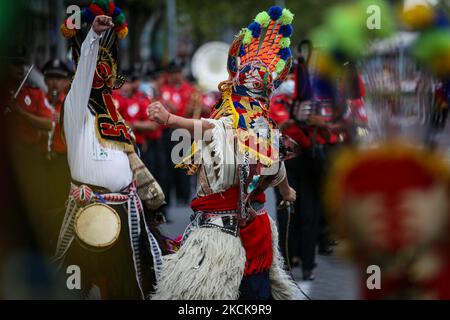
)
(259, 60)
(111, 129)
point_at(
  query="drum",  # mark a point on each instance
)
(97, 226)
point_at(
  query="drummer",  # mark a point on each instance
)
(116, 262)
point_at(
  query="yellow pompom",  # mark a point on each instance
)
(325, 65)
(122, 33)
(418, 16)
(66, 32)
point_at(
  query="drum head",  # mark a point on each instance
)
(97, 226)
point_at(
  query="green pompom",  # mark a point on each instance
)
(286, 17)
(247, 37)
(285, 42)
(431, 43)
(103, 4)
(263, 19)
(119, 20)
(280, 66)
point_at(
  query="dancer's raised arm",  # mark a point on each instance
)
(78, 96)
(157, 112)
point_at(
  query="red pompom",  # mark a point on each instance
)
(96, 10)
(111, 9)
(120, 27)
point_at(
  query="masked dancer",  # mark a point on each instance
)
(229, 250)
(107, 230)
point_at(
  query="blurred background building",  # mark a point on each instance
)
(160, 30)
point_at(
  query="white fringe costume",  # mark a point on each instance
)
(210, 263)
(210, 266)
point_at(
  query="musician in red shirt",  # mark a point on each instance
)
(28, 120)
(132, 104)
(176, 93)
(30, 116)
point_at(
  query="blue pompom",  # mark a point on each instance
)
(87, 16)
(255, 28)
(275, 12)
(284, 53)
(323, 87)
(285, 31)
(241, 51)
(441, 20)
(116, 12)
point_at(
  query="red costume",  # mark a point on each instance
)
(58, 145)
(31, 100)
(133, 109)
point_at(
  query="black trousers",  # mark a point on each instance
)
(177, 179)
(308, 223)
(255, 287)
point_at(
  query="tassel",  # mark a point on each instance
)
(66, 32)
(122, 33)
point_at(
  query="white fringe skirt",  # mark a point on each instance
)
(210, 266)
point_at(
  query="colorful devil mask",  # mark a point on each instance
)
(111, 129)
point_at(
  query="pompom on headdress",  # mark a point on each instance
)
(96, 8)
(259, 58)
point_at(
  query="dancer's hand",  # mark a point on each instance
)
(157, 112)
(101, 24)
(287, 192)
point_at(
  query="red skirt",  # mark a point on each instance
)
(256, 236)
